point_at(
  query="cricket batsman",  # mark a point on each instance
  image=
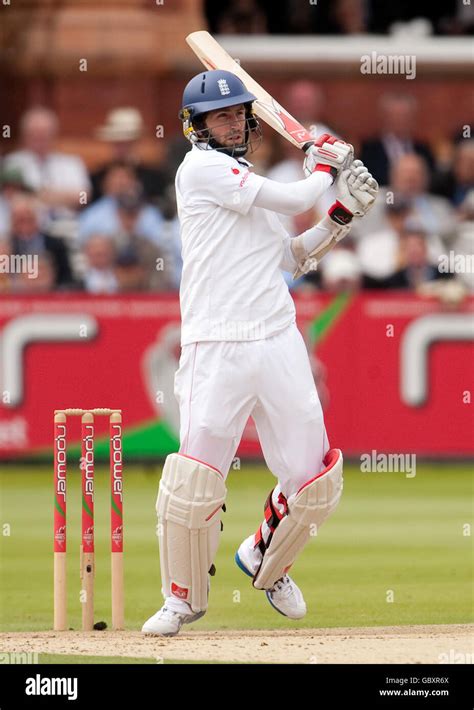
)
(242, 354)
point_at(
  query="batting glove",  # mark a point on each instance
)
(356, 191)
(328, 154)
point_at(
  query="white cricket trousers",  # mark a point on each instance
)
(219, 384)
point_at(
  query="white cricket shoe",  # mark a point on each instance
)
(286, 597)
(247, 558)
(167, 622)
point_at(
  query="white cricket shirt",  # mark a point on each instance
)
(231, 285)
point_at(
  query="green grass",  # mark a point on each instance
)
(54, 659)
(389, 533)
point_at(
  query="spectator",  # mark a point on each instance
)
(131, 211)
(343, 16)
(382, 154)
(131, 223)
(122, 131)
(459, 180)
(307, 101)
(143, 266)
(100, 276)
(11, 183)
(119, 177)
(134, 267)
(45, 279)
(57, 178)
(340, 271)
(131, 271)
(27, 238)
(417, 268)
(105, 215)
(464, 241)
(241, 17)
(378, 251)
(348, 17)
(409, 183)
(294, 16)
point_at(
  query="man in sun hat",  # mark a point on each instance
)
(122, 131)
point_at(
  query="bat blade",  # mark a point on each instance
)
(213, 56)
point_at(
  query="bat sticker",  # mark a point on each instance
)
(288, 123)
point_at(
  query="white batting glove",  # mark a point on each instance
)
(328, 154)
(356, 190)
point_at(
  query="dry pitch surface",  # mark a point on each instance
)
(395, 644)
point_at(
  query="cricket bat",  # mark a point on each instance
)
(213, 56)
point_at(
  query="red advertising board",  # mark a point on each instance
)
(398, 371)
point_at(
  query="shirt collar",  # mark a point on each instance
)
(241, 160)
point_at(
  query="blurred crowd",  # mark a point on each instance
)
(339, 17)
(108, 231)
(424, 212)
(115, 230)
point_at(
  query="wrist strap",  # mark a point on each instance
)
(340, 214)
(322, 167)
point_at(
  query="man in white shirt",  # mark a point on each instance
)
(242, 354)
(57, 178)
